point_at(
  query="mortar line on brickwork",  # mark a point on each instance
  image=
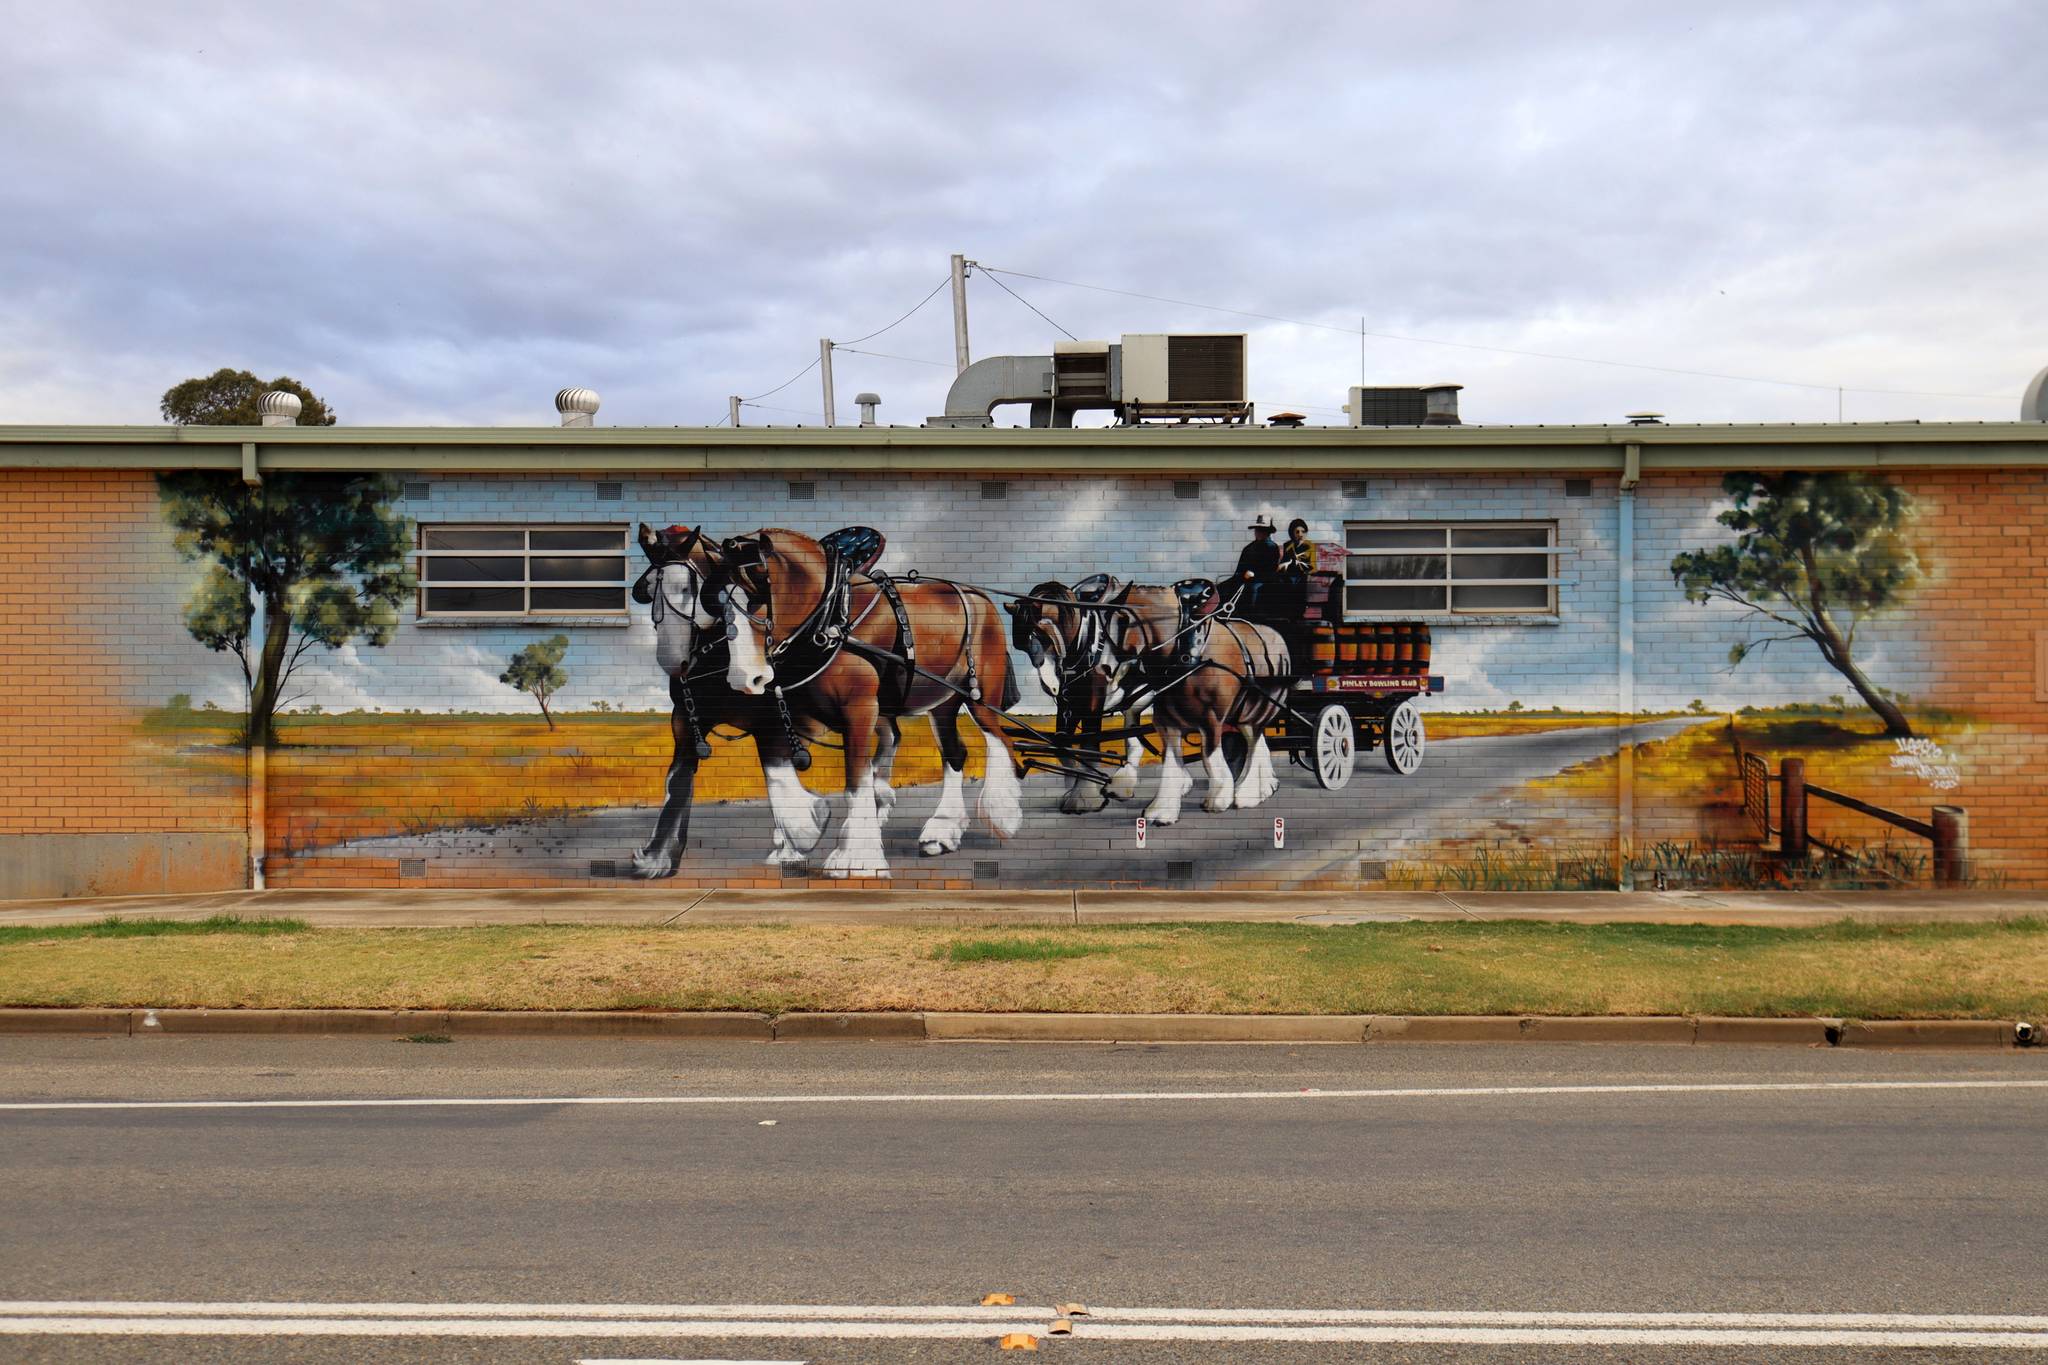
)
(702, 896)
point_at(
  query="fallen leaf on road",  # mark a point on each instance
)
(997, 1300)
(1019, 1341)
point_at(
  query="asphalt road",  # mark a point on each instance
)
(1377, 816)
(971, 1168)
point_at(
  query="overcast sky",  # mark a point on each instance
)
(441, 213)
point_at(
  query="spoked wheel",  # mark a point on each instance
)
(1336, 746)
(1404, 737)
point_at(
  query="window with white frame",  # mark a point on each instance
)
(1417, 568)
(546, 570)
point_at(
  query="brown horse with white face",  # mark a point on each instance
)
(772, 588)
(1232, 681)
(1070, 639)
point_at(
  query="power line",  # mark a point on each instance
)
(785, 383)
(884, 355)
(1021, 299)
(993, 271)
(900, 321)
(770, 407)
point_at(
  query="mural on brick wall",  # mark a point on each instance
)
(1114, 682)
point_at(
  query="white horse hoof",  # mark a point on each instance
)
(885, 801)
(1212, 803)
(649, 866)
(845, 864)
(1162, 815)
(940, 834)
(1124, 785)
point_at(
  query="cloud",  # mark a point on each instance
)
(442, 214)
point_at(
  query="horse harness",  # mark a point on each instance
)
(828, 629)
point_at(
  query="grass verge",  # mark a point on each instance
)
(1846, 969)
(115, 927)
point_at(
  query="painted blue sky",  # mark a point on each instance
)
(443, 212)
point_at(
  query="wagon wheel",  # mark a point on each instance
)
(1336, 746)
(1404, 737)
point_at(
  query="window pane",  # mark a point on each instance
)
(474, 599)
(1394, 566)
(562, 569)
(1394, 599)
(1393, 538)
(1513, 597)
(579, 599)
(470, 538)
(472, 568)
(579, 540)
(1500, 566)
(1488, 536)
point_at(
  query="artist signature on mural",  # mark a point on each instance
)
(1928, 761)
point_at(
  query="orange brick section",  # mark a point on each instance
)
(88, 563)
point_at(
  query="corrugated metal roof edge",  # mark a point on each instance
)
(1023, 449)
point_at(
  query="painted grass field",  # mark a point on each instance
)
(1847, 970)
(1690, 824)
(363, 775)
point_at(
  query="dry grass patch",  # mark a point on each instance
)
(1856, 971)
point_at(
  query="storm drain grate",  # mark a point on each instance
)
(603, 867)
(412, 867)
(1180, 872)
(1371, 870)
(986, 870)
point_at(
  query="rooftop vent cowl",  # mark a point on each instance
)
(279, 408)
(577, 406)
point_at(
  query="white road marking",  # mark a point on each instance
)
(609, 1360)
(1039, 1097)
(904, 1322)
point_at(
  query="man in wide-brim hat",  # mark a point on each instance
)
(1258, 561)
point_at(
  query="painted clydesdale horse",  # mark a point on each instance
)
(1205, 674)
(1073, 650)
(690, 646)
(776, 591)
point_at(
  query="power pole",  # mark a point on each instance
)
(825, 370)
(732, 410)
(959, 313)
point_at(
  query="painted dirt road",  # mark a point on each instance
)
(1463, 783)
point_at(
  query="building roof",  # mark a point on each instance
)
(1149, 449)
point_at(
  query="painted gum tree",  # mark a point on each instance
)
(326, 554)
(1815, 556)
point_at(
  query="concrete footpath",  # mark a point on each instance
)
(658, 905)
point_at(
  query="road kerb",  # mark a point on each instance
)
(66, 1021)
(1609, 1029)
(1927, 1033)
(855, 1026)
(1444, 1028)
(1147, 1028)
(392, 1023)
(966, 1026)
(740, 1024)
(1719, 1029)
